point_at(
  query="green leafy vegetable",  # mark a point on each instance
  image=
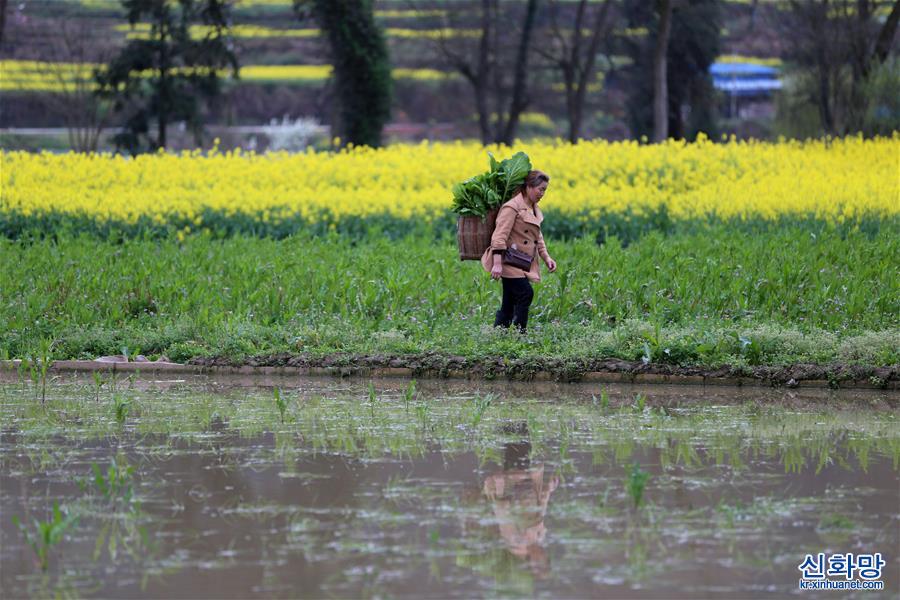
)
(478, 195)
(511, 173)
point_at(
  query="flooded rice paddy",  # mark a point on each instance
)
(326, 488)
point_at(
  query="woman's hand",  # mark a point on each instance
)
(551, 264)
(496, 271)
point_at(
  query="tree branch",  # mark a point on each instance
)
(885, 38)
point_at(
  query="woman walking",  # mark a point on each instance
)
(515, 244)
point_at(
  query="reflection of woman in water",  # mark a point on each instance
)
(520, 495)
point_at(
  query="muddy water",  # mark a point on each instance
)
(209, 490)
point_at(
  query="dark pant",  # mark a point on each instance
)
(517, 296)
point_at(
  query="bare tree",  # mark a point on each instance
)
(660, 86)
(839, 43)
(576, 61)
(70, 59)
(520, 99)
(867, 56)
(485, 65)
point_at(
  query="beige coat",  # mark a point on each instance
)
(516, 224)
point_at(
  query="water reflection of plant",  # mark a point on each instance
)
(690, 437)
(109, 498)
(123, 531)
(62, 584)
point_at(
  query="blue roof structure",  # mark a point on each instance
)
(744, 79)
(742, 70)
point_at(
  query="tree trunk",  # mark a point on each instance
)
(164, 95)
(161, 140)
(586, 73)
(2, 19)
(676, 128)
(572, 108)
(823, 73)
(885, 38)
(660, 86)
(519, 92)
(362, 73)
(859, 42)
(480, 78)
(484, 118)
(569, 65)
(825, 100)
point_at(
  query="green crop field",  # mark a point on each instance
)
(712, 296)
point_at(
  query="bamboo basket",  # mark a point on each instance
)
(473, 235)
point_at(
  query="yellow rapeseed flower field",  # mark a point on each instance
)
(287, 5)
(143, 30)
(37, 76)
(834, 180)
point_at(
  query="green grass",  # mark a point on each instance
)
(705, 295)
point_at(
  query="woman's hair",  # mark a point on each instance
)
(534, 179)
